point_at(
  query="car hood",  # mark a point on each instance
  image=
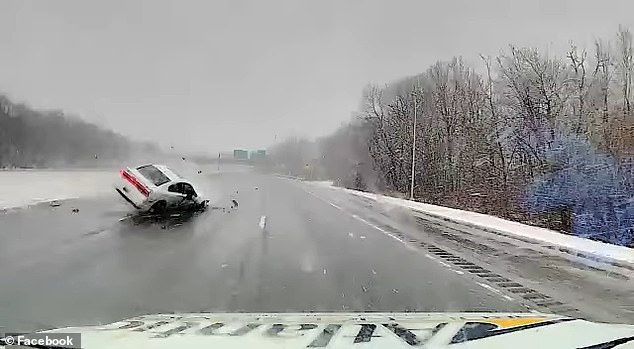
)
(354, 330)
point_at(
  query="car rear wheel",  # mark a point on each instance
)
(158, 208)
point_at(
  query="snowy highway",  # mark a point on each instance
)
(289, 246)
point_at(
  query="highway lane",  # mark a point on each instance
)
(285, 248)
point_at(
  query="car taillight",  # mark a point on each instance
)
(135, 182)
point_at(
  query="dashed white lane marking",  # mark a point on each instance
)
(262, 222)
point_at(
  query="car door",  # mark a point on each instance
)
(190, 194)
(176, 194)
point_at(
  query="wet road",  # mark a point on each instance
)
(288, 246)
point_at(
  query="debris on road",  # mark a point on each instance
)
(75, 210)
(54, 203)
(365, 289)
(395, 290)
(199, 171)
(373, 272)
(234, 203)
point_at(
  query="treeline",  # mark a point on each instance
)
(525, 135)
(32, 138)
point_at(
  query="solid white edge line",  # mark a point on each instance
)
(495, 290)
(335, 206)
(492, 289)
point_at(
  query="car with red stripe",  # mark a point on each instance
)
(157, 188)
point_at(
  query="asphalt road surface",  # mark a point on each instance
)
(287, 247)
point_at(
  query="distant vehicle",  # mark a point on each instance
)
(157, 188)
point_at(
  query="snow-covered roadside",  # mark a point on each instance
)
(19, 188)
(29, 187)
(580, 245)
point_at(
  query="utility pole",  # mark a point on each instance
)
(411, 187)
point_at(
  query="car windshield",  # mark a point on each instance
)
(305, 156)
(153, 174)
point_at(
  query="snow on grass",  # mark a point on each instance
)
(28, 187)
(574, 243)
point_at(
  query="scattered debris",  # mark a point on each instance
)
(54, 203)
(365, 289)
(75, 210)
(351, 235)
(394, 290)
(163, 227)
(234, 203)
(373, 272)
(199, 171)
(256, 188)
(183, 158)
(171, 147)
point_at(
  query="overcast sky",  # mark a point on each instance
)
(223, 74)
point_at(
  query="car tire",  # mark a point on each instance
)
(158, 207)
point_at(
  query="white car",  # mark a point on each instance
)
(156, 188)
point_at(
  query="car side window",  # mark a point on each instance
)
(188, 189)
(175, 188)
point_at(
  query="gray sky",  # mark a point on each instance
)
(237, 73)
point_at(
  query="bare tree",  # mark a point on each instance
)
(625, 65)
(603, 77)
(578, 65)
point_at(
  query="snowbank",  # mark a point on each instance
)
(28, 187)
(579, 245)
